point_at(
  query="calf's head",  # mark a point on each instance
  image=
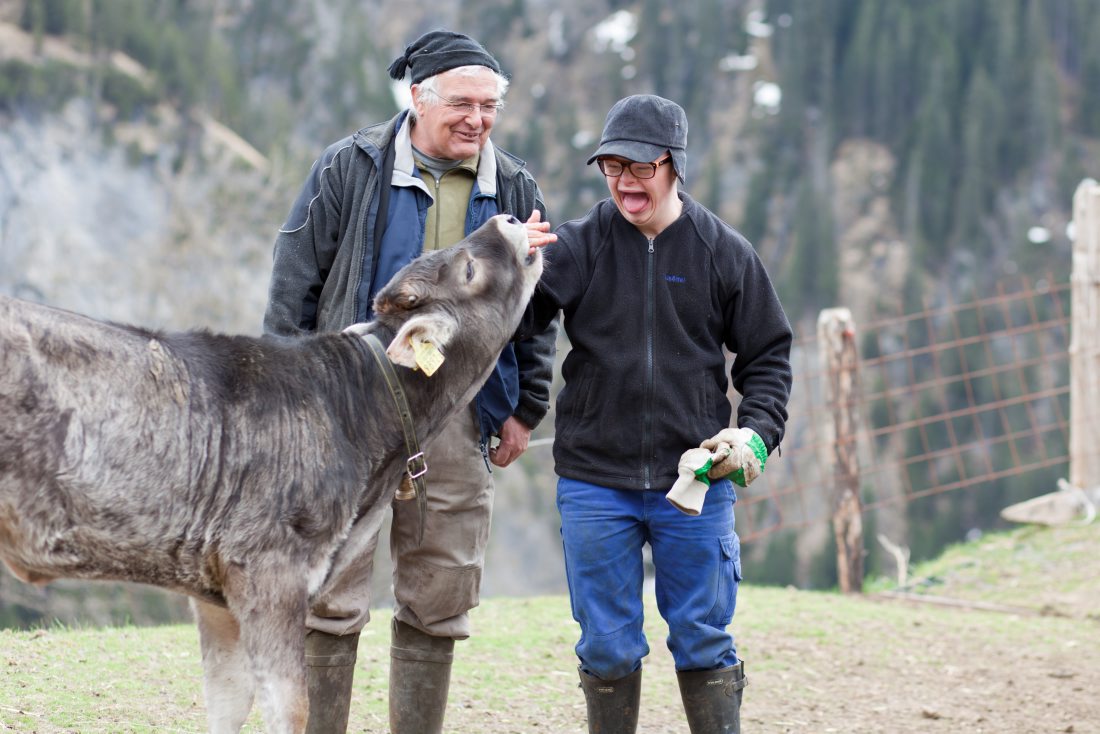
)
(464, 301)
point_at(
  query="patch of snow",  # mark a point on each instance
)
(767, 96)
(615, 32)
(755, 25)
(1038, 235)
(738, 62)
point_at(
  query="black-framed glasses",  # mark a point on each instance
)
(614, 169)
(486, 109)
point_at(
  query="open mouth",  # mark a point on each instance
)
(634, 202)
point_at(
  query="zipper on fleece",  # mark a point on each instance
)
(438, 213)
(649, 328)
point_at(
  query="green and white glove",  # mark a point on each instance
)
(747, 457)
(689, 491)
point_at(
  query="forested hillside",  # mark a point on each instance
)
(973, 118)
(879, 155)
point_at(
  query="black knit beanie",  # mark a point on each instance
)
(439, 51)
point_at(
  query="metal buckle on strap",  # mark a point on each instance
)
(416, 466)
(412, 484)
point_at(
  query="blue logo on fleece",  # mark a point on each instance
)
(675, 278)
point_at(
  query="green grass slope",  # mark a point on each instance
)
(1008, 641)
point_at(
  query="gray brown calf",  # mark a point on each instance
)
(230, 468)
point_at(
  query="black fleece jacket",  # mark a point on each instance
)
(645, 379)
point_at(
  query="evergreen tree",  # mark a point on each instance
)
(935, 151)
(1042, 99)
(978, 178)
(1089, 114)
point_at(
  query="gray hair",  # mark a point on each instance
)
(428, 90)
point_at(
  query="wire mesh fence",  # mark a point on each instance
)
(956, 396)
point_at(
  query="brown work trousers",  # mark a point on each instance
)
(435, 584)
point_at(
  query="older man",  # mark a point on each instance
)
(373, 202)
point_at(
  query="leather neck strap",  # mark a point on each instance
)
(413, 483)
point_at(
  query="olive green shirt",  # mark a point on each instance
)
(446, 223)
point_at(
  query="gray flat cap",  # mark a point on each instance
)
(642, 127)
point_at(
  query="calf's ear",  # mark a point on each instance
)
(435, 329)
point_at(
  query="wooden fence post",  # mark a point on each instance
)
(1084, 346)
(836, 335)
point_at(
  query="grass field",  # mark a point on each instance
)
(1008, 640)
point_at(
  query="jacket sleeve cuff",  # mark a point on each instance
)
(530, 415)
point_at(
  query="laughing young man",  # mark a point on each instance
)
(652, 286)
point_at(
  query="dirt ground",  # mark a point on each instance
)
(925, 670)
(1005, 638)
(994, 637)
(895, 669)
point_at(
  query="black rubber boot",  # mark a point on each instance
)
(712, 699)
(330, 666)
(612, 704)
(420, 675)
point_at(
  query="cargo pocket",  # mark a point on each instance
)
(729, 576)
(436, 593)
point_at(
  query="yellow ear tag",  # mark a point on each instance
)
(428, 358)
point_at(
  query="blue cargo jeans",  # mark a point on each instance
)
(698, 567)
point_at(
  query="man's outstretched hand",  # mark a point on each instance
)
(538, 231)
